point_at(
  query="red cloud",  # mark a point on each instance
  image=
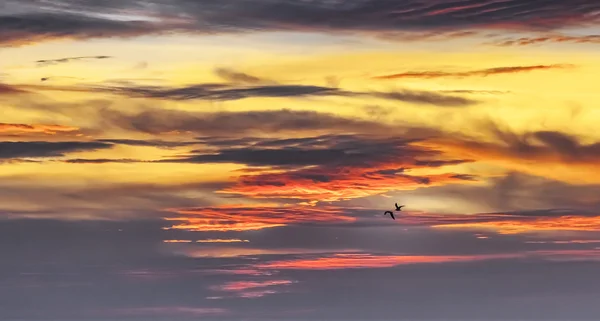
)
(328, 185)
(252, 289)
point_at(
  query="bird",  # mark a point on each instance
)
(398, 208)
(391, 214)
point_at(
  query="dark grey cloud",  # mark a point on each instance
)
(47, 62)
(46, 149)
(148, 143)
(326, 150)
(235, 123)
(52, 20)
(221, 91)
(29, 28)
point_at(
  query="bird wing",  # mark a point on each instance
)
(392, 215)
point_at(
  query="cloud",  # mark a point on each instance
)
(252, 289)
(528, 224)
(480, 73)
(230, 92)
(427, 98)
(47, 62)
(525, 41)
(327, 168)
(219, 91)
(156, 121)
(10, 90)
(128, 201)
(509, 149)
(47, 129)
(170, 311)
(381, 18)
(222, 241)
(367, 260)
(148, 143)
(252, 217)
(46, 149)
(238, 77)
(30, 28)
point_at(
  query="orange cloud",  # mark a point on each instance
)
(538, 224)
(177, 241)
(15, 129)
(361, 261)
(247, 218)
(367, 260)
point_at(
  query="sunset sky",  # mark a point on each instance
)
(232, 159)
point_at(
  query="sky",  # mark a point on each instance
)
(233, 160)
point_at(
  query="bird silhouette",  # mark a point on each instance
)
(391, 214)
(398, 208)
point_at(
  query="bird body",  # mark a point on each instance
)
(398, 208)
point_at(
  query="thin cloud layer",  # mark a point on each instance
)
(48, 62)
(480, 73)
(252, 289)
(252, 217)
(23, 129)
(226, 124)
(232, 92)
(526, 41)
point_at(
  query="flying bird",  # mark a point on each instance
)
(391, 214)
(398, 208)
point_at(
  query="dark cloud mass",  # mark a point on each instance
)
(233, 123)
(24, 29)
(46, 149)
(229, 92)
(51, 20)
